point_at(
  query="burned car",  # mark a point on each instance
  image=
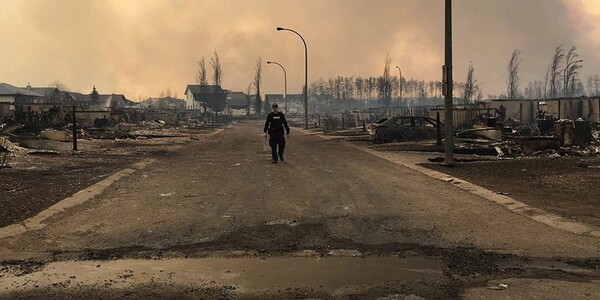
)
(407, 128)
(372, 128)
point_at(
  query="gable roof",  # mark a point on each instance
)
(203, 89)
(46, 91)
(104, 100)
(11, 90)
(237, 100)
(79, 97)
(115, 100)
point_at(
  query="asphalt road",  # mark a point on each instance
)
(215, 218)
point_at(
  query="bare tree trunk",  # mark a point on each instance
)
(202, 72)
(471, 86)
(570, 72)
(385, 84)
(513, 75)
(218, 72)
(553, 73)
(257, 82)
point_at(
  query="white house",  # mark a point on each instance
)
(199, 96)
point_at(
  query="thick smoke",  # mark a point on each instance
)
(141, 48)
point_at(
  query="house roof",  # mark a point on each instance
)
(79, 97)
(104, 100)
(46, 91)
(237, 100)
(115, 100)
(11, 90)
(203, 89)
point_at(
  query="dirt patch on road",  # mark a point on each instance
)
(560, 186)
(73, 289)
(19, 268)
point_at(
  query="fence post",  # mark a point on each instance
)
(438, 128)
(74, 130)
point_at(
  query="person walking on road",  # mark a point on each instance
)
(276, 127)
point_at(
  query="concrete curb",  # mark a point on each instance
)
(536, 214)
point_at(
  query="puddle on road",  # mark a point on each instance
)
(330, 274)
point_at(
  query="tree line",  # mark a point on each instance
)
(561, 80)
(390, 90)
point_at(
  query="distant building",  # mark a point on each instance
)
(52, 95)
(103, 101)
(94, 100)
(11, 95)
(294, 102)
(213, 97)
(163, 103)
(237, 104)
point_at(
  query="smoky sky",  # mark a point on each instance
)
(141, 48)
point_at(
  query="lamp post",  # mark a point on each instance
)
(305, 74)
(448, 90)
(400, 82)
(284, 84)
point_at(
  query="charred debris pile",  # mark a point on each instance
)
(487, 132)
(52, 130)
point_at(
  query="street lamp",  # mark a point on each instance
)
(305, 74)
(284, 84)
(400, 82)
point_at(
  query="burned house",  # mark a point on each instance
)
(208, 98)
(51, 95)
(97, 101)
(168, 103)
(12, 97)
(526, 111)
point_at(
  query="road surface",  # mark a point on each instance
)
(215, 219)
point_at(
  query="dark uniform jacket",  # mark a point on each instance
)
(276, 125)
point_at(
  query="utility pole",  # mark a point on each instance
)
(449, 89)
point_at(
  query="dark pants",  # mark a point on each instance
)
(275, 141)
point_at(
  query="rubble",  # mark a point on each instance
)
(42, 152)
(547, 138)
(54, 135)
(8, 146)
